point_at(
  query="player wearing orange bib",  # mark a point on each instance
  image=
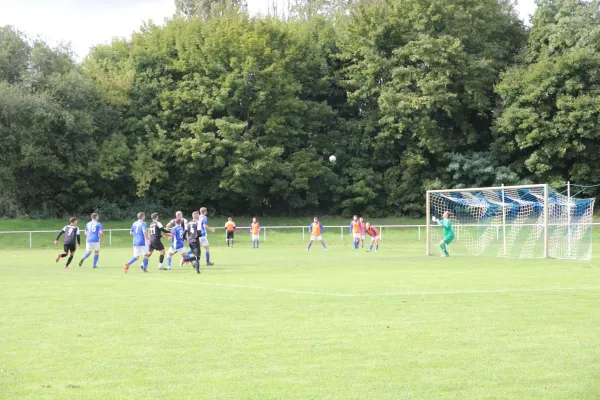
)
(316, 230)
(229, 229)
(356, 231)
(375, 236)
(363, 227)
(255, 232)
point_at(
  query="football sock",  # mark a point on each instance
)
(133, 259)
(168, 261)
(308, 248)
(86, 255)
(69, 260)
(207, 257)
(227, 242)
(190, 252)
(370, 247)
(161, 258)
(443, 246)
(145, 264)
(231, 242)
(62, 255)
(376, 246)
(323, 244)
(96, 256)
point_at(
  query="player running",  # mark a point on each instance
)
(194, 239)
(255, 233)
(93, 233)
(363, 227)
(72, 234)
(446, 225)
(316, 229)
(229, 230)
(375, 236)
(139, 232)
(156, 231)
(356, 231)
(177, 243)
(203, 238)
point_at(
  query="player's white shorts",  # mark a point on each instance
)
(255, 237)
(203, 241)
(373, 238)
(356, 235)
(139, 251)
(313, 238)
(180, 250)
(92, 246)
(362, 237)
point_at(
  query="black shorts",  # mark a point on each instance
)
(195, 246)
(229, 235)
(156, 245)
(69, 248)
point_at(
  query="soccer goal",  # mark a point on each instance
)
(530, 221)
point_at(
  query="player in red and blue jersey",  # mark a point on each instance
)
(316, 230)
(375, 236)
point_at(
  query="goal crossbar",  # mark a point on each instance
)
(543, 185)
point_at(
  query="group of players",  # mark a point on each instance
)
(146, 241)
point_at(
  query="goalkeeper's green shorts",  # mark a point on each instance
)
(448, 239)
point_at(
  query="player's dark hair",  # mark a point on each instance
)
(195, 214)
(177, 221)
(94, 215)
(72, 219)
(140, 215)
(449, 213)
(154, 215)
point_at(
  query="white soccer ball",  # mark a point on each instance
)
(332, 158)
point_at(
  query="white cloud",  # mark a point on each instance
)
(85, 23)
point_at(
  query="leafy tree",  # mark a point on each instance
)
(14, 54)
(548, 125)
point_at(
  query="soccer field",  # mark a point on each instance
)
(281, 323)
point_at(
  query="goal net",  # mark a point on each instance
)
(513, 221)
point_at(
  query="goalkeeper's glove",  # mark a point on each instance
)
(434, 218)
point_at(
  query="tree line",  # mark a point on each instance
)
(240, 114)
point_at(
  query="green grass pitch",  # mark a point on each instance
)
(281, 323)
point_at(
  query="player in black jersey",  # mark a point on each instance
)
(72, 234)
(193, 237)
(183, 223)
(156, 231)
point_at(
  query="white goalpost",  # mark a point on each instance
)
(527, 221)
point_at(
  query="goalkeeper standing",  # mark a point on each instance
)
(446, 225)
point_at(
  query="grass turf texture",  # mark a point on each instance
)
(278, 322)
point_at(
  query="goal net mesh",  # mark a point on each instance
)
(510, 223)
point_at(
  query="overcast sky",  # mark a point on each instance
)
(85, 23)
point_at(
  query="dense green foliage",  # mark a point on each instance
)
(240, 114)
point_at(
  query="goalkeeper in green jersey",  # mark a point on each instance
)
(448, 231)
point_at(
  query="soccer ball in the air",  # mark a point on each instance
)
(332, 158)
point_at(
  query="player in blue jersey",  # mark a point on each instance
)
(203, 239)
(177, 243)
(94, 236)
(141, 239)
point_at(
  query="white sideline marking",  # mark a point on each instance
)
(305, 292)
